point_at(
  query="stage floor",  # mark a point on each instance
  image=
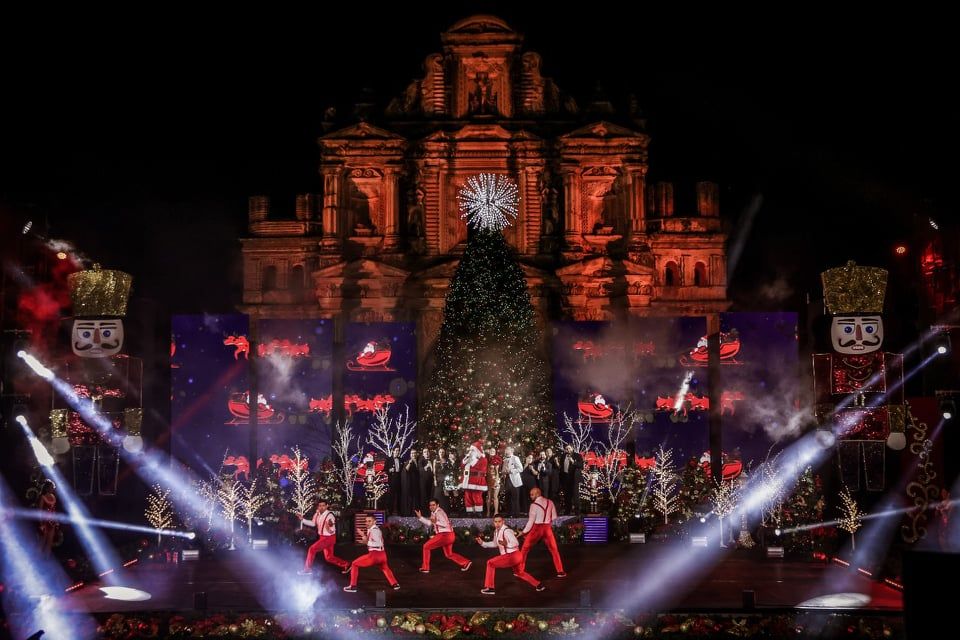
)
(610, 572)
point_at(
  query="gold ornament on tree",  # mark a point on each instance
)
(851, 518)
(159, 511)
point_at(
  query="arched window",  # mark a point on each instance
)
(699, 275)
(269, 281)
(296, 284)
(670, 274)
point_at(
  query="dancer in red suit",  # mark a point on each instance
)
(326, 524)
(376, 555)
(474, 478)
(540, 527)
(443, 538)
(505, 540)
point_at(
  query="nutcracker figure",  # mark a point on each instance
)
(100, 375)
(858, 389)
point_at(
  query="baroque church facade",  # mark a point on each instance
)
(381, 242)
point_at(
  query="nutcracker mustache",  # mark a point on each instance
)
(865, 343)
(103, 345)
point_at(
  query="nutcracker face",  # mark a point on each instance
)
(856, 334)
(93, 338)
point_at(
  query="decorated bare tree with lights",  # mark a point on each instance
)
(387, 434)
(251, 501)
(774, 492)
(724, 497)
(665, 480)
(159, 511)
(304, 488)
(612, 454)
(346, 449)
(851, 518)
(577, 433)
(490, 382)
(229, 497)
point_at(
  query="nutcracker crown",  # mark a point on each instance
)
(854, 289)
(99, 292)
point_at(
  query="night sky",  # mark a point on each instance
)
(140, 137)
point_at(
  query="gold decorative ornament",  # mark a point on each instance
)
(58, 423)
(99, 292)
(854, 289)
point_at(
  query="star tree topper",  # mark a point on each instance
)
(488, 201)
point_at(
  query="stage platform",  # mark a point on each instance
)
(608, 572)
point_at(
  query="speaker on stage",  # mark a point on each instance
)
(749, 599)
(200, 600)
(926, 604)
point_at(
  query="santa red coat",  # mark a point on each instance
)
(474, 470)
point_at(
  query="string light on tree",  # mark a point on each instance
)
(304, 487)
(665, 481)
(488, 201)
(851, 518)
(725, 496)
(251, 501)
(228, 495)
(159, 511)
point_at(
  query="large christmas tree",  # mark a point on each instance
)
(490, 382)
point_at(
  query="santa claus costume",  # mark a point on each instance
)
(474, 482)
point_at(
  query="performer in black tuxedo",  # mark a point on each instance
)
(571, 471)
(394, 467)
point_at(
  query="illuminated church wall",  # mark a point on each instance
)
(380, 236)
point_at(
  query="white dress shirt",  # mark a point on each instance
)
(542, 511)
(325, 522)
(374, 539)
(504, 539)
(439, 521)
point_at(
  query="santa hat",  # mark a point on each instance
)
(479, 445)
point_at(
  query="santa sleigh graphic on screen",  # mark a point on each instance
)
(729, 348)
(239, 406)
(693, 402)
(375, 356)
(595, 408)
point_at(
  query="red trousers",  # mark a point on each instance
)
(325, 544)
(541, 532)
(444, 541)
(503, 561)
(369, 559)
(473, 500)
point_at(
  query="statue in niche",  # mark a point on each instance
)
(548, 198)
(483, 100)
(415, 212)
(406, 104)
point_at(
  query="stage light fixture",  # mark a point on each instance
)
(941, 343)
(777, 532)
(26, 227)
(933, 224)
(900, 250)
(61, 255)
(948, 408)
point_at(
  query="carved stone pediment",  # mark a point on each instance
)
(603, 131)
(360, 131)
(362, 268)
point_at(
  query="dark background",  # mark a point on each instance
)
(140, 136)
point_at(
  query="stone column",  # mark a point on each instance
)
(572, 233)
(332, 177)
(391, 208)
